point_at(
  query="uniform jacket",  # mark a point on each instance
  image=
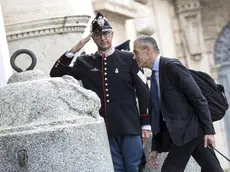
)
(183, 107)
(117, 81)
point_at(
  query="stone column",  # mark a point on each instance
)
(46, 28)
(5, 68)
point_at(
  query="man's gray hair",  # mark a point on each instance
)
(148, 41)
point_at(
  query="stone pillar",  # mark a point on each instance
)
(5, 68)
(46, 28)
(190, 19)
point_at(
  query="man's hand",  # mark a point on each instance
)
(152, 159)
(81, 44)
(145, 136)
(209, 140)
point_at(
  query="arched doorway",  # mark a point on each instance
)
(222, 59)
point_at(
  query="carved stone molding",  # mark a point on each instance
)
(142, 1)
(122, 8)
(188, 6)
(189, 13)
(46, 27)
(144, 21)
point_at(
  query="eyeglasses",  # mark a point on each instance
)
(100, 34)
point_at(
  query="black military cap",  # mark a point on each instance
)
(100, 24)
(124, 46)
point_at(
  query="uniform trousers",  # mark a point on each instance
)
(127, 152)
(178, 156)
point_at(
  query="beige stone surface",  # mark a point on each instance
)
(47, 28)
(19, 11)
(47, 49)
(5, 69)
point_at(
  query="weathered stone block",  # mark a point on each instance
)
(51, 124)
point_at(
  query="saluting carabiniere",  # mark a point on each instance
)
(115, 77)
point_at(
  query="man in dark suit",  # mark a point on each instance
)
(115, 77)
(177, 108)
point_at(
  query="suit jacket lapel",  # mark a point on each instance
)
(160, 74)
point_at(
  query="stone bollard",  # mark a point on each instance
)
(192, 166)
(51, 125)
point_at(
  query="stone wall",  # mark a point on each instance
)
(5, 69)
(215, 15)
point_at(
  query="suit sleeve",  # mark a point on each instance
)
(61, 67)
(182, 78)
(155, 143)
(142, 92)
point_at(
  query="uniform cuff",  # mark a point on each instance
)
(146, 127)
(64, 60)
(144, 119)
(69, 54)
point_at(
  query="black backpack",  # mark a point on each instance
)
(214, 93)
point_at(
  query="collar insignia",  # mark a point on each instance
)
(94, 70)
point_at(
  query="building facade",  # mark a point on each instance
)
(195, 31)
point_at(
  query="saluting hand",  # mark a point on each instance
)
(81, 44)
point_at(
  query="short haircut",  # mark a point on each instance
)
(148, 41)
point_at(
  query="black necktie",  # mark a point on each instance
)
(155, 105)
